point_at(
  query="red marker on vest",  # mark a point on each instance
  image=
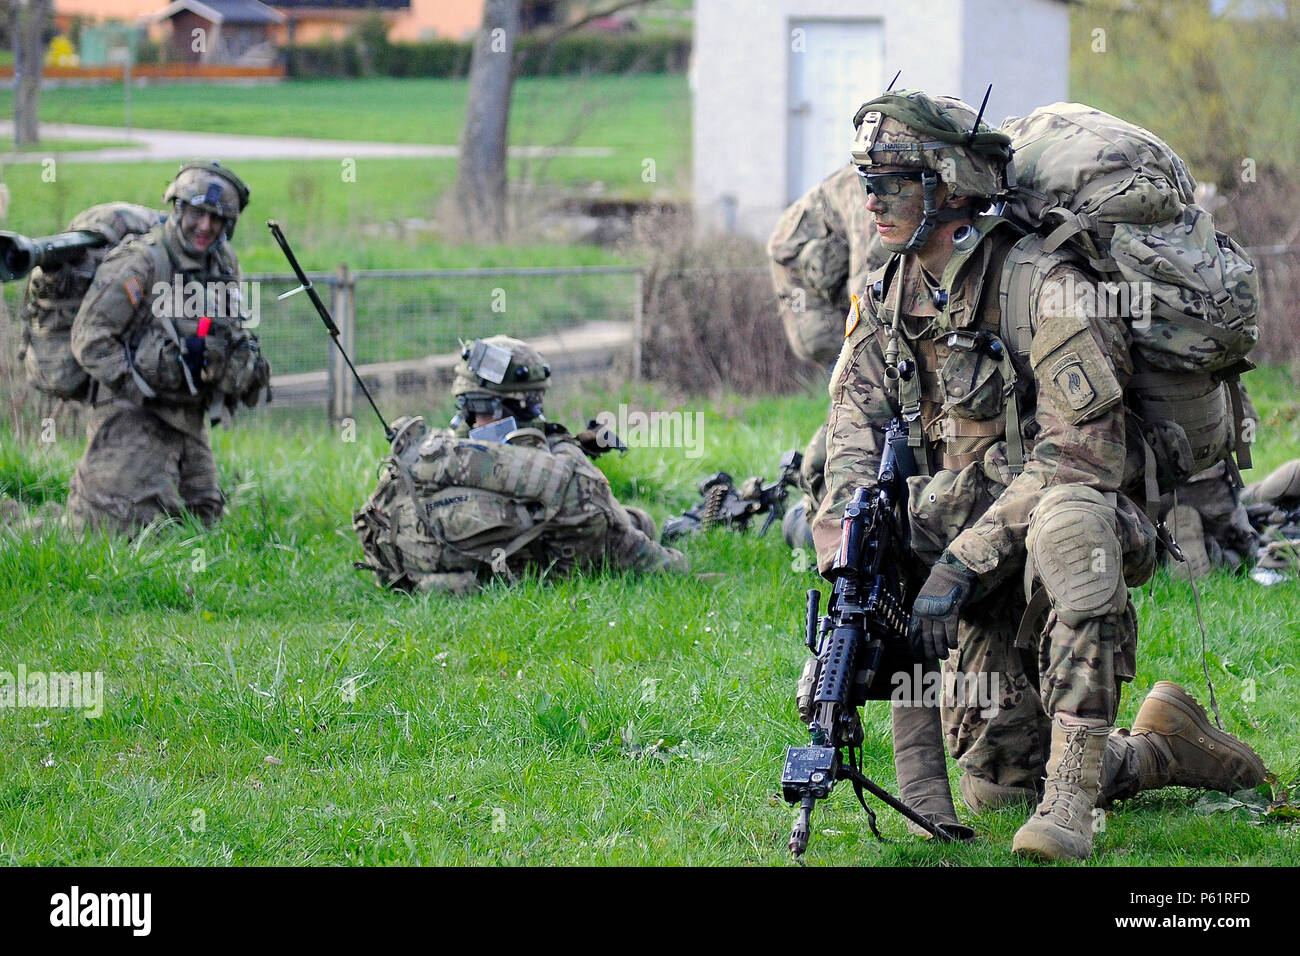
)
(205, 323)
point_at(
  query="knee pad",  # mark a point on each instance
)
(1075, 551)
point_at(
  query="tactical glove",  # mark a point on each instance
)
(938, 607)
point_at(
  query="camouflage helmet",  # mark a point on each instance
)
(912, 128)
(500, 365)
(210, 186)
(942, 137)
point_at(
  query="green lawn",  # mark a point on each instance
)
(639, 116)
(595, 720)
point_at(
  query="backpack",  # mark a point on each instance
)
(449, 505)
(1115, 195)
(53, 297)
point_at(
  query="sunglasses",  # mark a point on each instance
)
(885, 184)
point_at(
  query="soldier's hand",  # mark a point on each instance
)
(938, 607)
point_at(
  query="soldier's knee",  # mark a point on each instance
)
(642, 521)
(794, 527)
(1075, 552)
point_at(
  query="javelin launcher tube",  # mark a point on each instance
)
(19, 255)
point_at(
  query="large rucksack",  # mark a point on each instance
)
(1117, 196)
(54, 296)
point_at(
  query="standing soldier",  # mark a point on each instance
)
(500, 492)
(160, 333)
(823, 248)
(1023, 483)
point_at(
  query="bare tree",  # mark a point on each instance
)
(27, 20)
(480, 190)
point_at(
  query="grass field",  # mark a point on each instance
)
(265, 703)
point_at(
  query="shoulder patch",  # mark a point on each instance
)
(854, 317)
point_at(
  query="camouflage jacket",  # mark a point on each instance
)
(450, 513)
(822, 249)
(1068, 398)
(118, 340)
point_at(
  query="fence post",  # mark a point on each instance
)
(341, 387)
(638, 325)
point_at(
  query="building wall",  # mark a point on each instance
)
(439, 19)
(740, 80)
(1022, 48)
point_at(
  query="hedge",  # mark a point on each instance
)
(577, 53)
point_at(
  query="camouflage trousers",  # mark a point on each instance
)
(137, 468)
(1006, 682)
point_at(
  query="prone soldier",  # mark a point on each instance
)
(501, 491)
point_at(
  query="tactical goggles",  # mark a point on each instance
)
(885, 184)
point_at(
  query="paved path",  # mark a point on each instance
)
(161, 144)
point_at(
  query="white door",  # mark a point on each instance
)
(835, 67)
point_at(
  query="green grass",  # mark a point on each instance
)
(638, 116)
(602, 719)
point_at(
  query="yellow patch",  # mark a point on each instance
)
(134, 290)
(855, 316)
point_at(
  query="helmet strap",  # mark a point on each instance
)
(931, 215)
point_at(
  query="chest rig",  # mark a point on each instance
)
(947, 365)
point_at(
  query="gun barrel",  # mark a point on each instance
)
(19, 254)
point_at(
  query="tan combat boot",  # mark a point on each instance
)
(1062, 826)
(1173, 743)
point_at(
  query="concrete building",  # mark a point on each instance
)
(775, 84)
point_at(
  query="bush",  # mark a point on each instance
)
(711, 318)
(364, 54)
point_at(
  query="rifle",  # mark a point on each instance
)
(858, 646)
(19, 255)
(722, 503)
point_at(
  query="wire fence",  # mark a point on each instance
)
(403, 328)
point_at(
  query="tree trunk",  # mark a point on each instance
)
(27, 26)
(480, 190)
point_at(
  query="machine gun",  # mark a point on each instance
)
(858, 646)
(722, 503)
(19, 255)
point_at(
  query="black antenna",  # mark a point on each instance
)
(979, 116)
(893, 81)
(306, 286)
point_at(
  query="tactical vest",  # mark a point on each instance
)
(156, 341)
(957, 384)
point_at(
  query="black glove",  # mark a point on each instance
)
(938, 607)
(195, 356)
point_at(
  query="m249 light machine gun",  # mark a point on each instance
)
(859, 645)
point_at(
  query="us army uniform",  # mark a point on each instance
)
(823, 247)
(148, 451)
(455, 509)
(1013, 396)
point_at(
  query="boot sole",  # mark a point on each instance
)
(1173, 695)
